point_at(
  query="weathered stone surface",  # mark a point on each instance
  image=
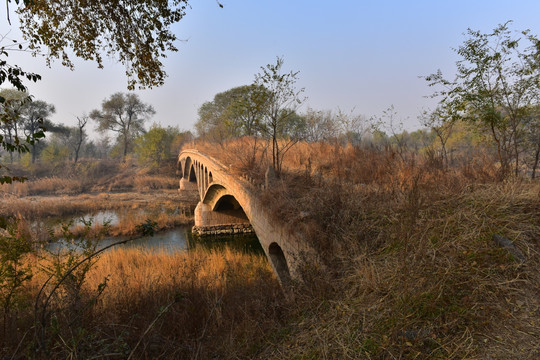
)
(186, 185)
(222, 229)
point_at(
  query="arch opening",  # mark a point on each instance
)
(192, 176)
(186, 168)
(228, 205)
(279, 262)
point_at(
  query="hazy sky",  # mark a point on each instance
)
(354, 54)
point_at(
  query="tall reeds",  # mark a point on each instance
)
(161, 305)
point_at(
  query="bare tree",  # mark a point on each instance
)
(320, 125)
(80, 135)
(124, 114)
(356, 128)
(389, 123)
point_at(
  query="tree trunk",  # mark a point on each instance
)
(34, 154)
(535, 164)
(502, 159)
(77, 152)
(275, 149)
(11, 152)
(125, 149)
(516, 155)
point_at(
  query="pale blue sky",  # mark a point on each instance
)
(361, 55)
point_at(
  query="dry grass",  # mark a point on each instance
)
(175, 306)
(89, 176)
(432, 285)
(52, 185)
(56, 206)
(408, 268)
(411, 270)
(153, 182)
(347, 163)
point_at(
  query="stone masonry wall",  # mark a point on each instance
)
(222, 229)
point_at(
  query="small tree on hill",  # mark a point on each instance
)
(233, 113)
(75, 137)
(496, 87)
(36, 118)
(154, 147)
(124, 114)
(282, 100)
(80, 135)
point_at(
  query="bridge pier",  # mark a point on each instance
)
(185, 184)
(209, 222)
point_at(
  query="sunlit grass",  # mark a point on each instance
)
(216, 301)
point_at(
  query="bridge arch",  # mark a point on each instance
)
(214, 193)
(192, 177)
(188, 176)
(186, 167)
(230, 199)
(220, 200)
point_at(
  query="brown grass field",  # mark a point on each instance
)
(407, 269)
(165, 305)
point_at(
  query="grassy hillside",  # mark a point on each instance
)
(408, 266)
(407, 269)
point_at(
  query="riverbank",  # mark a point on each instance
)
(66, 205)
(134, 193)
(39, 215)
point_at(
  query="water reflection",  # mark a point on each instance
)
(247, 243)
(167, 241)
(101, 217)
(177, 239)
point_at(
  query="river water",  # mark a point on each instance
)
(173, 240)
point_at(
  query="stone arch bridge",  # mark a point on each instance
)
(226, 199)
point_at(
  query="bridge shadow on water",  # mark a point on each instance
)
(244, 243)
